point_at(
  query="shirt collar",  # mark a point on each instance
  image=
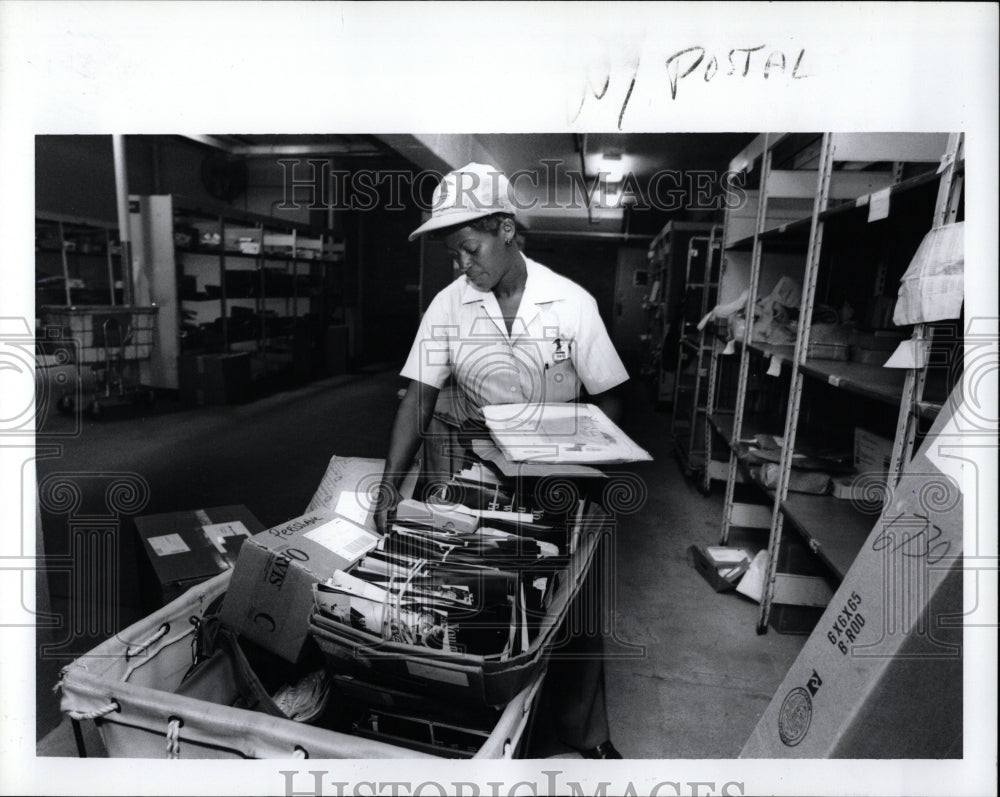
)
(540, 287)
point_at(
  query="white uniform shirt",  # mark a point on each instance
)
(557, 342)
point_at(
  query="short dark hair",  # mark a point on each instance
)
(489, 224)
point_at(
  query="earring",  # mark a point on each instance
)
(507, 242)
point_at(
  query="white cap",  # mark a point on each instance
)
(472, 192)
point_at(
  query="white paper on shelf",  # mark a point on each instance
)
(560, 432)
(774, 369)
(345, 539)
(933, 287)
(878, 205)
(730, 347)
(168, 544)
(726, 556)
(909, 354)
(752, 583)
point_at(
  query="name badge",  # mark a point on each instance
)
(561, 351)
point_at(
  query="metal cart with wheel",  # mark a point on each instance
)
(109, 341)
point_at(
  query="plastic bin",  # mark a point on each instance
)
(125, 686)
(463, 678)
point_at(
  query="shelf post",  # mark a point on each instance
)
(65, 263)
(741, 384)
(261, 302)
(222, 283)
(111, 265)
(700, 365)
(795, 389)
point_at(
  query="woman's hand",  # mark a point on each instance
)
(411, 419)
(385, 504)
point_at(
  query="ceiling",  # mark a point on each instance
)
(555, 172)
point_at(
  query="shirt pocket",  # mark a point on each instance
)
(560, 381)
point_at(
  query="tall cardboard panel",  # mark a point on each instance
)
(881, 674)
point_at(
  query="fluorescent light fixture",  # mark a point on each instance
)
(610, 167)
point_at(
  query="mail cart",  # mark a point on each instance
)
(107, 343)
(126, 686)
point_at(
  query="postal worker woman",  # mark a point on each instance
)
(508, 330)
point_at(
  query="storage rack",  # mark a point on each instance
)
(852, 260)
(700, 292)
(230, 281)
(77, 261)
(666, 264)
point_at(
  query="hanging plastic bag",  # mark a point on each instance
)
(933, 287)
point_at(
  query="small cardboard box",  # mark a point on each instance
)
(270, 595)
(871, 452)
(720, 572)
(185, 548)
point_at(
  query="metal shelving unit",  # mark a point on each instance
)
(668, 264)
(871, 197)
(229, 281)
(701, 289)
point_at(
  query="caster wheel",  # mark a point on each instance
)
(66, 404)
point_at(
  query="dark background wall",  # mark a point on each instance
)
(590, 263)
(380, 281)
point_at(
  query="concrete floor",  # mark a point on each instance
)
(688, 676)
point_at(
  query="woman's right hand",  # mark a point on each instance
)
(385, 504)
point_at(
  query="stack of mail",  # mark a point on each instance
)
(448, 607)
(474, 575)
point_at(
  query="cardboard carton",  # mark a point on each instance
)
(185, 548)
(881, 674)
(872, 453)
(270, 594)
(723, 573)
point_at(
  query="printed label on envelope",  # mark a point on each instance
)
(343, 538)
(168, 544)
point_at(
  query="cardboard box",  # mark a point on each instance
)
(185, 548)
(868, 488)
(871, 452)
(270, 594)
(722, 575)
(214, 378)
(881, 675)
